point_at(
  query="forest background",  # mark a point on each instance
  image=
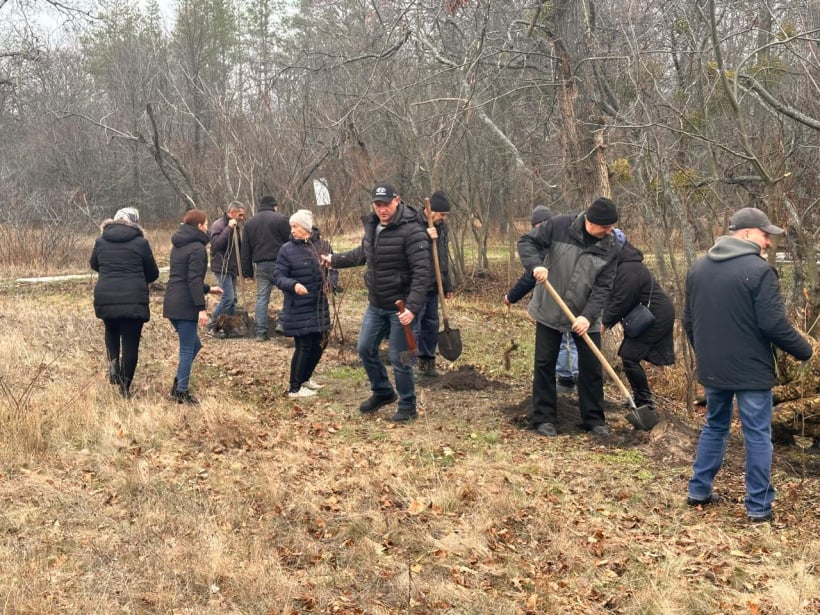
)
(681, 111)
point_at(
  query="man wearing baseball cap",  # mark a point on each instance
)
(733, 315)
(396, 251)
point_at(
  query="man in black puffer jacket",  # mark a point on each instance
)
(396, 250)
(125, 262)
(733, 316)
(264, 235)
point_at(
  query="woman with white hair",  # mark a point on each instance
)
(123, 258)
(305, 314)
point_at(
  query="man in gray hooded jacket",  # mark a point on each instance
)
(733, 316)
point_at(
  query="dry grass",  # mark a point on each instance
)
(251, 503)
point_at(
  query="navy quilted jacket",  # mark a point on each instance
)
(298, 263)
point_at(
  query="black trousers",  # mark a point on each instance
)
(590, 378)
(636, 376)
(306, 355)
(122, 342)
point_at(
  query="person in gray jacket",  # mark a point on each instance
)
(577, 253)
(733, 316)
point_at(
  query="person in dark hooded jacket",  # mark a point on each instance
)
(734, 316)
(184, 303)
(123, 258)
(305, 314)
(635, 284)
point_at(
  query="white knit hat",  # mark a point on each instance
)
(304, 218)
(128, 213)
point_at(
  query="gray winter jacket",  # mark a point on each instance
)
(581, 269)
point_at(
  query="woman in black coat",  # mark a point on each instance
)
(184, 303)
(123, 258)
(634, 284)
(305, 315)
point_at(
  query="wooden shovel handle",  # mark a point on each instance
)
(434, 246)
(596, 351)
(408, 330)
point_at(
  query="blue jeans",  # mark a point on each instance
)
(227, 304)
(567, 365)
(377, 325)
(756, 420)
(425, 327)
(264, 286)
(189, 347)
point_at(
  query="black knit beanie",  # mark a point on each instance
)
(602, 212)
(439, 202)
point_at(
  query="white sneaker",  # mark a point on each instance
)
(303, 392)
(312, 385)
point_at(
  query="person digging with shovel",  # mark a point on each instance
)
(425, 325)
(577, 254)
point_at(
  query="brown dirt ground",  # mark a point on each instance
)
(672, 442)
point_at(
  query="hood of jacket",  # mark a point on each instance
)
(120, 231)
(630, 254)
(186, 234)
(727, 247)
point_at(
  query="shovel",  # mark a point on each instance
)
(449, 340)
(640, 417)
(407, 356)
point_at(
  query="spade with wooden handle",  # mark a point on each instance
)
(407, 356)
(449, 340)
(641, 417)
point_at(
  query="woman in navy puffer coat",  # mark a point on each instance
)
(305, 315)
(123, 258)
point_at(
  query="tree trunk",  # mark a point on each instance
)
(582, 133)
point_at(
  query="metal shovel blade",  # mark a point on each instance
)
(643, 418)
(449, 343)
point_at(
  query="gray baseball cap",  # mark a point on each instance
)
(749, 217)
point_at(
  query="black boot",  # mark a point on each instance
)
(125, 390)
(185, 397)
(427, 367)
(114, 371)
(174, 387)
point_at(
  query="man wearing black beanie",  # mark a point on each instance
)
(425, 326)
(577, 253)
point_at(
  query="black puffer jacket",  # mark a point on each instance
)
(223, 253)
(123, 258)
(443, 249)
(635, 284)
(185, 294)
(299, 262)
(398, 263)
(734, 314)
(264, 235)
